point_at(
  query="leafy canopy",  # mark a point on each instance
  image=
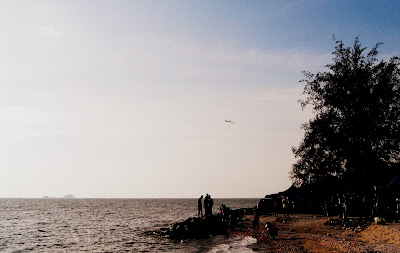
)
(354, 138)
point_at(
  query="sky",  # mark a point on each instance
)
(128, 99)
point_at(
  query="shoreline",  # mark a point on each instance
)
(308, 233)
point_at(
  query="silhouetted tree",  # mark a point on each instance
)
(354, 138)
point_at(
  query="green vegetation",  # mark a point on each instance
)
(354, 139)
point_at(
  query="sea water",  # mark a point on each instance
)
(106, 225)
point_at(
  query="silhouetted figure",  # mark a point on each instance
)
(285, 207)
(200, 206)
(276, 208)
(326, 209)
(344, 209)
(206, 205)
(210, 205)
(256, 221)
(225, 213)
(272, 231)
(339, 206)
(224, 210)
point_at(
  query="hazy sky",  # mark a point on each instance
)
(129, 98)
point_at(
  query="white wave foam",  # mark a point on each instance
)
(236, 245)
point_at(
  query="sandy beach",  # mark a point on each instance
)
(307, 233)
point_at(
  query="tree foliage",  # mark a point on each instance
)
(355, 135)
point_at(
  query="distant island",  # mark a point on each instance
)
(69, 196)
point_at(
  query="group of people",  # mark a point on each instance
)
(283, 205)
(208, 204)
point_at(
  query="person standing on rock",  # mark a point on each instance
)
(206, 204)
(200, 205)
(210, 205)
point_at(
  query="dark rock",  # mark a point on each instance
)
(196, 227)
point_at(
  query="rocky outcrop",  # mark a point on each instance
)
(203, 227)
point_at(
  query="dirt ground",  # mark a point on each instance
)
(307, 233)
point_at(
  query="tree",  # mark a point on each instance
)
(354, 138)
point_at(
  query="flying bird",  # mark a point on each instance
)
(229, 121)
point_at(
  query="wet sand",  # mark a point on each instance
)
(307, 233)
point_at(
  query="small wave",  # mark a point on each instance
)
(237, 244)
